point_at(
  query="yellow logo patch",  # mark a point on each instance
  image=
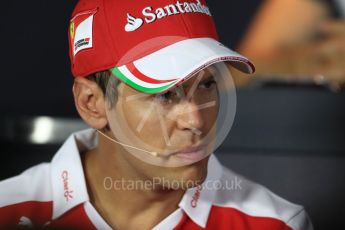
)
(71, 30)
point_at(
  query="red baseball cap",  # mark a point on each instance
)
(149, 45)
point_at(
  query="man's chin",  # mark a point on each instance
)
(188, 176)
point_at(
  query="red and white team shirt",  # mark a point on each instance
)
(54, 195)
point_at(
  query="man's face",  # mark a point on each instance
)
(169, 124)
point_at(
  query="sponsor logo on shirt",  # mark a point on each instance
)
(67, 191)
(150, 15)
(196, 196)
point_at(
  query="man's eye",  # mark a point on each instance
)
(208, 84)
(166, 96)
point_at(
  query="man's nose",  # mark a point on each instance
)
(189, 116)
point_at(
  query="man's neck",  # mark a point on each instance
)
(122, 203)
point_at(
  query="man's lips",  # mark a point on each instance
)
(191, 154)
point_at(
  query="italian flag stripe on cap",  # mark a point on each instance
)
(125, 75)
(133, 69)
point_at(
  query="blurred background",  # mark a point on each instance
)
(289, 131)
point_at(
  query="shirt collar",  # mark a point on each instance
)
(68, 180)
(197, 202)
(69, 186)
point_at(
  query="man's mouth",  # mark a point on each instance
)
(191, 154)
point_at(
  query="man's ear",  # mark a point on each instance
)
(90, 102)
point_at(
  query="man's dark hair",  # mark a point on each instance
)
(108, 83)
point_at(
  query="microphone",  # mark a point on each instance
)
(154, 154)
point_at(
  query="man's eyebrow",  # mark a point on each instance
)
(208, 76)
